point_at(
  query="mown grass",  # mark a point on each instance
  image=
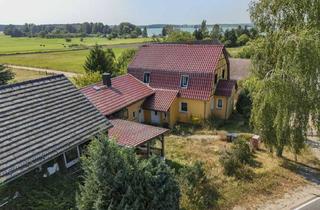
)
(69, 61)
(271, 180)
(23, 75)
(12, 45)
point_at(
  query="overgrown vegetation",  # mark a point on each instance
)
(114, 178)
(5, 75)
(237, 160)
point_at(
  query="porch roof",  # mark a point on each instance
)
(132, 134)
(161, 100)
(225, 87)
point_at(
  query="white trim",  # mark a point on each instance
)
(181, 81)
(73, 162)
(182, 111)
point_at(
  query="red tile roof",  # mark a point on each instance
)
(178, 57)
(167, 62)
(132, 134)
(161, 100)
(125, 91)
(225, 87)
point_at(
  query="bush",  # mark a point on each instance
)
(236, 161)
(87, 79)
(244, 103)
(68, 39)
(197, 190)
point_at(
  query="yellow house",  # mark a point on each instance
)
(191, 82)
(169, 83)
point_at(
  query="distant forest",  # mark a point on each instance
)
(123, 30)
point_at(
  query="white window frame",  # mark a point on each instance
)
(181, 107)
(144, 73)
(218, 107)
(181, 81)
(73, 162)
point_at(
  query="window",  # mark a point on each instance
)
(146, 77)
(134, 114)
(183, 107)
(223, 73)
(155, 113)
(184, 81)
(71, 157)
(215, 79)
(220, 104)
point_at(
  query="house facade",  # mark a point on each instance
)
(169, 83)
(197, 74)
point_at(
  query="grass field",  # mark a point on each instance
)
(11, 45)
(23, 75)
(70, 61)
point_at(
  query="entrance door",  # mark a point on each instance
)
(155, 117)
(141, 116)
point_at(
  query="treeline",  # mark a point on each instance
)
(123, 30)
(234, 37)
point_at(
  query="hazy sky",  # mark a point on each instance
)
(116, 11)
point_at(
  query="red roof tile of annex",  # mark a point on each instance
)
(225, 87)
(166, 63)
(132, 134)
(161, 100)
(125, 91)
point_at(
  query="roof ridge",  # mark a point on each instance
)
(31, 81)
(166, 89)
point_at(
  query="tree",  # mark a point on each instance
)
(244, 103)
(115, 178)
(166, 30)
(124, 60)
(204, 29)
(243, 39)
(198, 34)
(180, 36)
(216, 33)
(101, 61)
(5, 75)
(145, 32)
(286, 64)
(86, 79)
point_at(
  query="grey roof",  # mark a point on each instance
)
(39, 120)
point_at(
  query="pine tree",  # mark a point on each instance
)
(100, 61)
(5, 75)
(145, 32)
(114, 178)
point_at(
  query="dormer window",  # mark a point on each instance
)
(146, 77)
(184, 81)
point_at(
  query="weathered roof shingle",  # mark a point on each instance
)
(125, 91)
(41, 119)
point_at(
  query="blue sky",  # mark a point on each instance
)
(116, 11)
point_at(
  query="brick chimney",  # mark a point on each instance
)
(106, 79)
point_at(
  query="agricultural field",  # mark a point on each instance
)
(12, 45)
(69, 61)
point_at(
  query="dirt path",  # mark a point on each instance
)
(51, 71)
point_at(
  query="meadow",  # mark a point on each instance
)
(12, 45)
(69, 61)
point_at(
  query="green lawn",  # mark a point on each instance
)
(11, 45)
(70, 61)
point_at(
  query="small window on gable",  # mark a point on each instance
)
(184, 81)
(223, 73)
(134, 114)
(220, 103)
(215, 79)
(183, 107)
(146, 77)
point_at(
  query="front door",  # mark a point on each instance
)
(155, 117)
(141, 116)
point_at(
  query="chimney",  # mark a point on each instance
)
(106, 78)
